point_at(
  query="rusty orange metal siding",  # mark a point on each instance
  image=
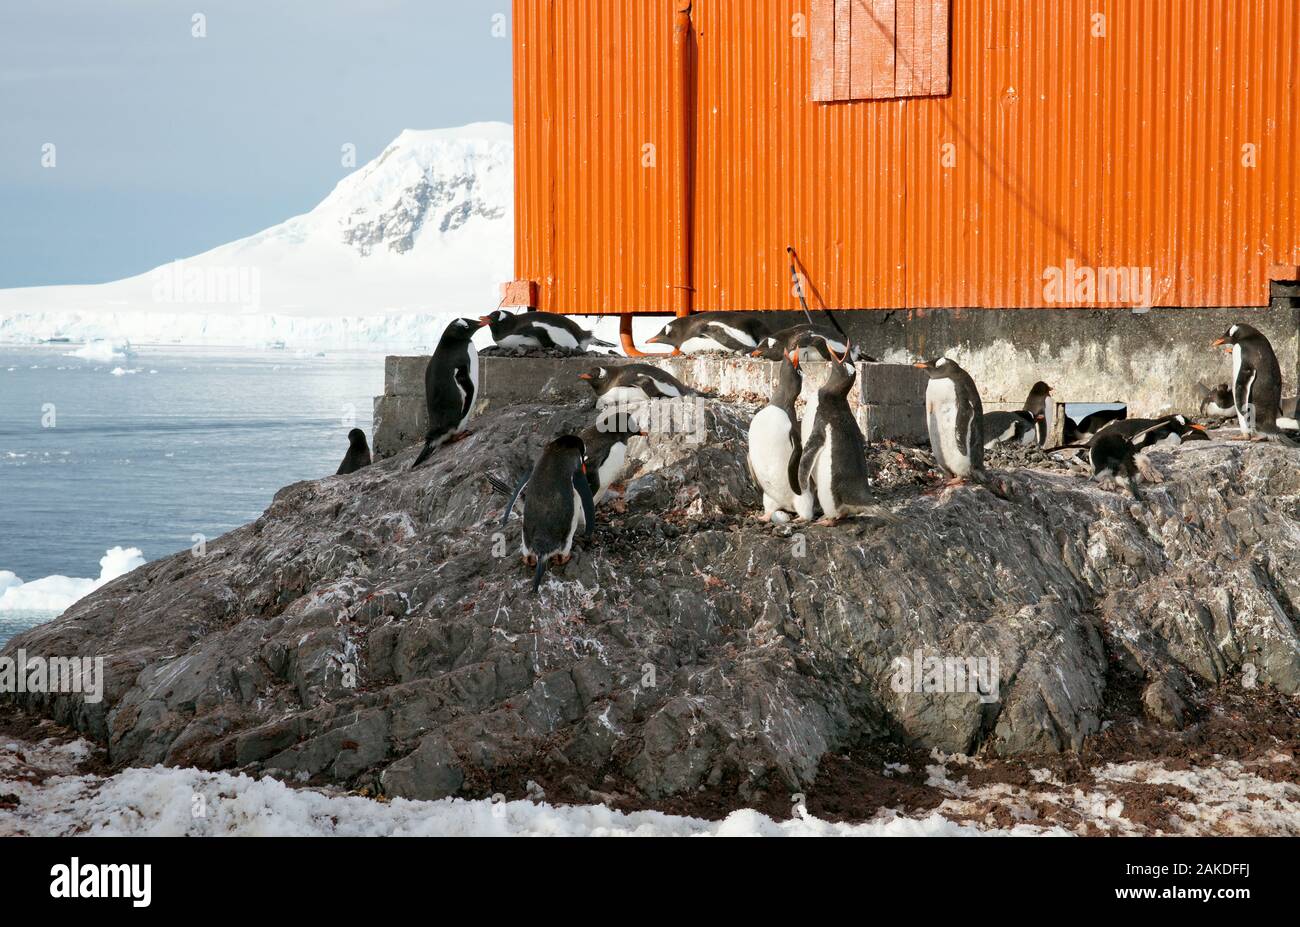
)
(1127, 150)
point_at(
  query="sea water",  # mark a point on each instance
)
(153, 448)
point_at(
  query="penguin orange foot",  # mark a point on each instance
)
(459, 436)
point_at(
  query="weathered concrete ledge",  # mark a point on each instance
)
(889, 400)
(1151, 360)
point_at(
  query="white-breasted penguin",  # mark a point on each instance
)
(775, 447)
(1114, 462)
(629, 384)
(1036, 405)
(606, 451)
(833, 465)
(533, 330)
(1166, 431)
(1018, 427)
(727, 332)
(954, 416)
(1216, 402)
(559, 502)
(1256, 382)
(450, 385)
(813, 344)
(358, 454)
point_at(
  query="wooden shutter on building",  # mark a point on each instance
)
(878, 49)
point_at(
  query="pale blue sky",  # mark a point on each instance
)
(168, 145)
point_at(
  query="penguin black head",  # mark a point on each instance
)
(1040, 389)
(768, 349)
(671, 334)
(492, 318)
(939, 368)
(1236, 335)
(843, 371)
(357, 437)
(570, 444)
(599, 378)
(463, 329)
(620, 425)
(1188, 430)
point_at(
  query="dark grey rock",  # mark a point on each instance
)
(382, 625)
(429, 772)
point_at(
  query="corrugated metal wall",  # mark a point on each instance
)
(1126, 150)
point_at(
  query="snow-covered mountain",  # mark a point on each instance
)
(421, 233)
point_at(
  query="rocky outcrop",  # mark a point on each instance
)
(378, 630)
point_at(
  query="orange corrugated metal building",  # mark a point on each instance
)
(916, 153)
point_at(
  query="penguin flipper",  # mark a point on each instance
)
(796, 459)
(809, 458)
(588, 504)
(466, 388)
(505, 517)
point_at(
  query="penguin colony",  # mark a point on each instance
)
(819, 464)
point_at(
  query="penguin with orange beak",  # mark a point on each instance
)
(1036, 406)
(1143, 433)
(559, 502)
(833, 466)
(530, 331)
(954, 415)
(450, 385)
(1256, 382)
(775, 448)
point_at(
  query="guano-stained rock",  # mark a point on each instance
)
(378, 629)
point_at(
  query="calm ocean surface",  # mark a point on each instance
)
(180, 442)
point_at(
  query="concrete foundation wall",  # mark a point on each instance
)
(1151, 361)
(893, 407)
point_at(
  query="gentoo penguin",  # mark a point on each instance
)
(1036, 405)
(1167, 431)
(606, 451)
(1018, 427)
(1094, 422)
(1079, 433)
(358, 454)
(775, 448)
(531, 330)
(728, 332)
(954, 414)
(1114, 462)
(605, 445)
(813, 343)
(450, 384)
(833, 465)
(559, 500)
(1216, 402)
(633, 383)
(1256, 382)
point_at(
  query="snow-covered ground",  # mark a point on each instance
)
(54, 799)
(190, 802)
